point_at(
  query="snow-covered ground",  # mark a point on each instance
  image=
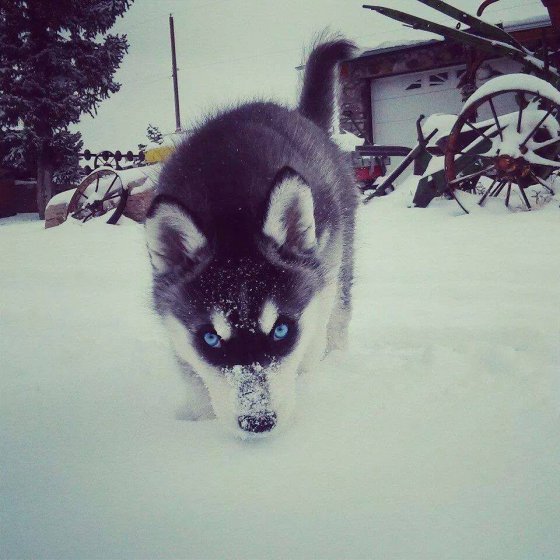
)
(434, 436)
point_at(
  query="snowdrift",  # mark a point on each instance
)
(434, 436)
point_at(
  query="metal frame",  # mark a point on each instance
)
(479, 36)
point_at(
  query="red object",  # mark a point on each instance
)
(7, 198)
(368, 173)
(362, 173)
(376, 171)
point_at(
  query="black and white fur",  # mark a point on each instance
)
(252, 227)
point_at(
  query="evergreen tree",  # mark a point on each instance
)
(154, 134)
(56, 63)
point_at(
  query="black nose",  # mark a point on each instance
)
(258, 424)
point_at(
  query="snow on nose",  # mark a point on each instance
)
(259, 423)
(253, 401)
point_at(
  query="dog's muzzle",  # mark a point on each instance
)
(253, 399)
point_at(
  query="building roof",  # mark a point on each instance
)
(534, 22)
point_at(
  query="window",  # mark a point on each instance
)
(438, 79)
(417, 84)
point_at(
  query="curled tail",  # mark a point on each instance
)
(318, 94)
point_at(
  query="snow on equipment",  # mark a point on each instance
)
(111, 188)
(106, 190)
(101, 192)
(505, 142)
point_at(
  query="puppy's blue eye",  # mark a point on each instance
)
(281, 331)
(212, 339)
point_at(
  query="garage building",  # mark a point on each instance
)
(384, 90)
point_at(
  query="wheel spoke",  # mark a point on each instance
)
(531, 134)
(481, 156)
(112, 183)
(495, 115)
(498, 189)
(474, 145)
(508, 194)
(524, 196)
(486, 193)
(541, 182)
(458, 180)
(114, 195)
(469, 164)
(479, 132)
(520, 100)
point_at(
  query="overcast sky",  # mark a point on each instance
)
(229, 50)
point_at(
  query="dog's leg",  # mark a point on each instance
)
(337, 330)
(318, 345)
(197, 405)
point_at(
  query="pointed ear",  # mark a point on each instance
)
(290, 220)
(173, 238)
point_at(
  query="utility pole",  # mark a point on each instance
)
(175, 84)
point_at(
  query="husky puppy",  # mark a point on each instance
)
(250, 237)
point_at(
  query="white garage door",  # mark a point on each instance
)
(397, 101)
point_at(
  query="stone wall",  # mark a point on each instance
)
(356, 76)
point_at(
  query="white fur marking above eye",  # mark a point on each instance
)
(221, 325)
(268, 317)
(170, 218)
(290, 217)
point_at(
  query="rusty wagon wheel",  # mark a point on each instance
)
(101, 192)
(505, 145)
